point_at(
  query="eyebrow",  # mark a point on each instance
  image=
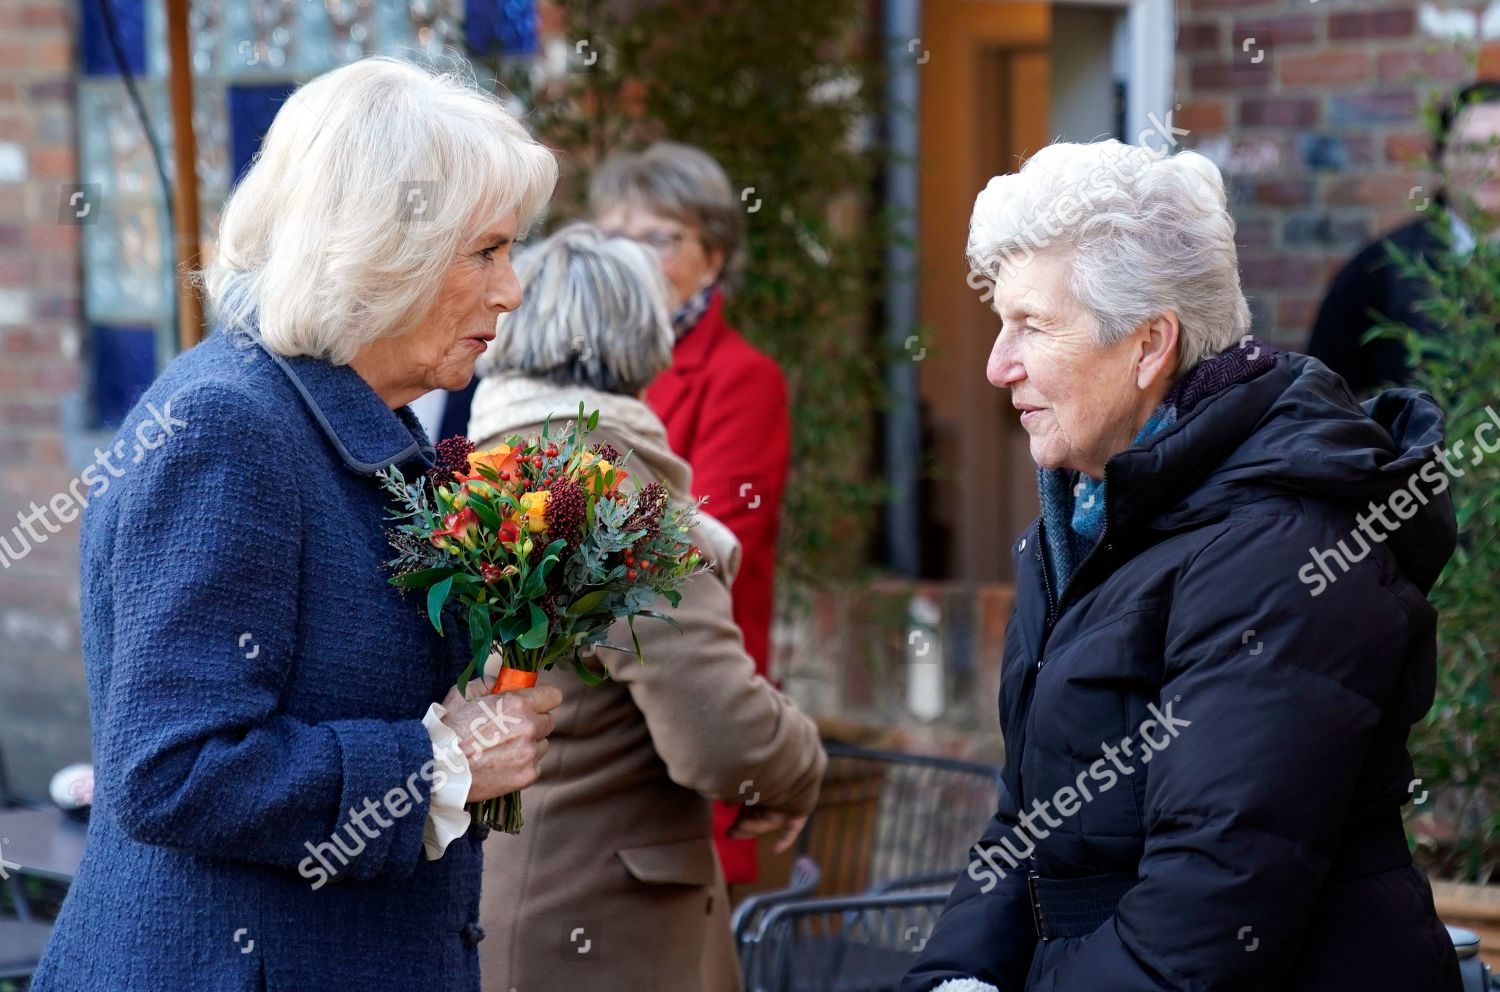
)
(497, 237)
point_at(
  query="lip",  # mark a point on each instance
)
(482, 340)
(1027, 412)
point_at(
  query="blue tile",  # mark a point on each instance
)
(124, 364)
(500, 27)
(98, 57)
(252, 108)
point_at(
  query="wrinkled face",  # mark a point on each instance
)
(1079, 401)
(1472, 163)
(480, 285)
(440, 353)
(687, 264)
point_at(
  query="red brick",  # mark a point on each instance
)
(1383, 190)
(1236, 75)
(46, 15)
(1295, 29)
(1284, 192)
(50, 234)
(1297, 312)
(1489, 61)
(50, 53)
(1278, 112)
(1253, 233)
(32, 414)
(1278, 271)
(1445, 66)
(1325, 68)
(1199, 36)
(54, 162)
(1362, 24)
(1408, 149)
(1202, 115)
(25, 342)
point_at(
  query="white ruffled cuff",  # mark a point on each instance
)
(965, 985)
(446, 821)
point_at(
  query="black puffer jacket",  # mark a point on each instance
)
(1202, 707)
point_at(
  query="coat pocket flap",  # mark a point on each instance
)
(681, 862)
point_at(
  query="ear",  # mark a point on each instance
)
(715, 259)
(1159, 351)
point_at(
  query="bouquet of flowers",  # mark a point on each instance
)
(539, 552)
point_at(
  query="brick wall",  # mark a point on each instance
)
(1313, 110)
(43, 700)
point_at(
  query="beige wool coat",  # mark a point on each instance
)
(613, 884)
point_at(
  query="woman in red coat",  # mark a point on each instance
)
(724, 402)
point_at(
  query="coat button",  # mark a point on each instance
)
(472, 934)
(1022, 546)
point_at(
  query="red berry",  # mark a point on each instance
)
(630, 573)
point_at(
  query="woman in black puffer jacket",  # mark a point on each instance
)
(1221, 635)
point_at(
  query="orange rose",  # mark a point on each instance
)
(500, 459)
(596, 473)
(534, 510)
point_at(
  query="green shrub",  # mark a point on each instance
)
(773, 90)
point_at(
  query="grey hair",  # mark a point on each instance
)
(1146, 234)
(593, 313)
(677, 181)
(369, 180)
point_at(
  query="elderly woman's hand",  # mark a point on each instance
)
(755, 821)
(504, 736)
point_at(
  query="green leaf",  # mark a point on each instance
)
(422, 577)
(484, 512)
(512, 626)
(436, 597)
(585, 673)
(479, 634)
(593, 417)
(615, 647)
(587, 603)
(463, 678)
(661, 616)
(630, 622)
(537, 635)
(672, 596)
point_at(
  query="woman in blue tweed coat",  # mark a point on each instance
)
(273, 810)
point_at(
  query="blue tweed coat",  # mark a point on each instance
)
(253, 680)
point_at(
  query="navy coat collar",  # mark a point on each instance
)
(368, 435)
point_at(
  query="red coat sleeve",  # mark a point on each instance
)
(739, 462)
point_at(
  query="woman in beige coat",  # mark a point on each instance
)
(613, 883)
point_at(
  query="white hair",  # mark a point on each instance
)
(1145, 234)
(593, 313)
(368, 181)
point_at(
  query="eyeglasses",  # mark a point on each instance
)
(666, 244)
(1478, 152)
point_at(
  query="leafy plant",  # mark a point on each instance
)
(778, 92)
(1456, 747)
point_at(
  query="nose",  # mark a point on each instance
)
(1004, 369)
(503, 294)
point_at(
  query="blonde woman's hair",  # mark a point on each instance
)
(369, 180)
